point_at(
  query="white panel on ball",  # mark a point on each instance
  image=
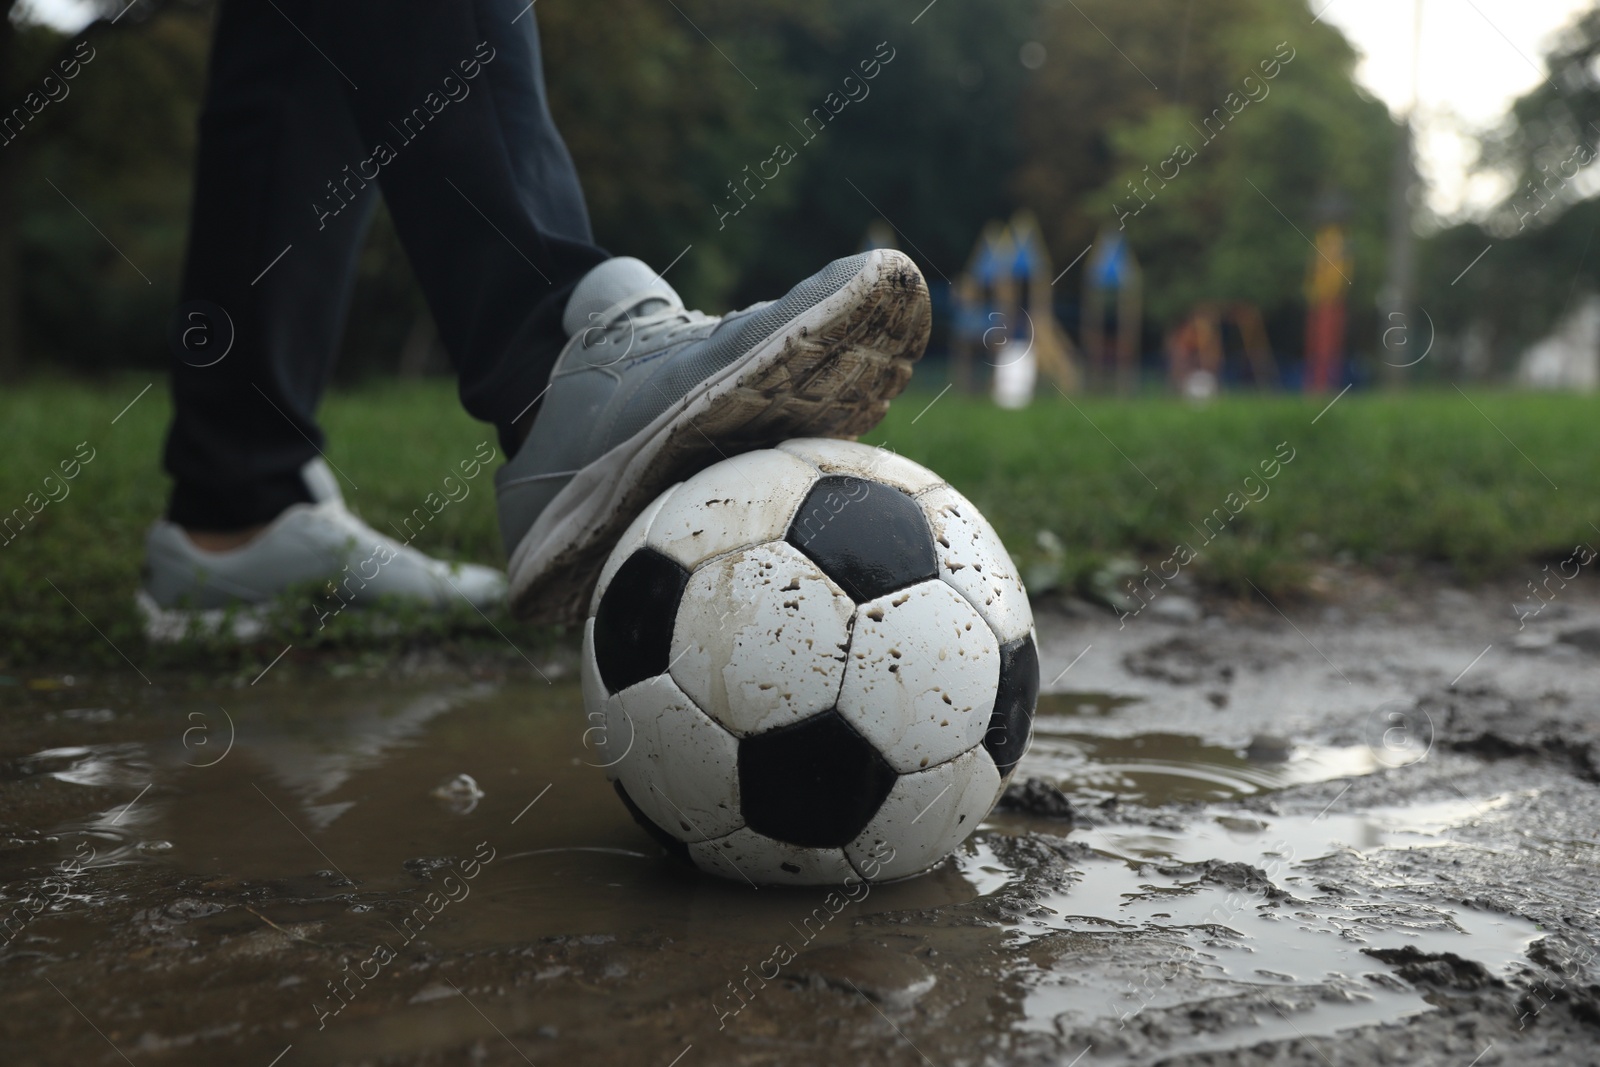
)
(631, 540)
(674, 751)
(748, 856)
(921, 676)
(976, 564)
(739, 502)
(863, 461)
(760, 638)
(928, 814)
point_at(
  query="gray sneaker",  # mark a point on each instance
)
(186, 587)
(646, 393)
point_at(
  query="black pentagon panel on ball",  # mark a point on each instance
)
(1017, 696)
(675, 848)
(815, 783)
(870, 538)
(633, 625)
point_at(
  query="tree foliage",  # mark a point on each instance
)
(1538, 246)
(1212, 170)
(665, 105)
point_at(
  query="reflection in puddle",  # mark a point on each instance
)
(90, 765)
(390, 784)
(1160, 768)
(1294, 838)
(1082, 702)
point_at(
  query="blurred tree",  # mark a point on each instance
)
(930, 147)
(662, 126)
(662, 105)
(114, 146)
(116, 149)
(1538, 246)
(1550, 134)
(657, 118)
(984, 107)
(1516, 290)
(1216, 218)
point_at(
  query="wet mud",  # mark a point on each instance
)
(1373, 848)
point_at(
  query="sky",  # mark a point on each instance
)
(1475, 58)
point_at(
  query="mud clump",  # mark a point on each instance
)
(1436, 969)
(1486, 723)
(1036, 797)
(423, 867)
(1585, 637)
(1269, 748)
(1180, 661)
(1231, 875)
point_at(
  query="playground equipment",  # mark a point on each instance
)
(1113, 269)
(1002, 306)
(1195, 351)
(1327, 282)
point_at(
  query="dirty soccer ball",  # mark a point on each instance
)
(810, 664)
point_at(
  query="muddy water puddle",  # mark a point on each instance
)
(245, 849)
(1223, 932)
(1171, 768)
(364, 794)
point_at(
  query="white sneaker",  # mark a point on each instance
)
(233, 590)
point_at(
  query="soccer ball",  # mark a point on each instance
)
(812, 664)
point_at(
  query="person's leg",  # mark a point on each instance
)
(277, 224)
(273, 130)
(454, 125)
(450, 100)
(450, 118)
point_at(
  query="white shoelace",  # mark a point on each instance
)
(665, 325)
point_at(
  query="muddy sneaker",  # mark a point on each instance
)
(187, 587)
(646, 393)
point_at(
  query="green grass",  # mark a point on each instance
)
(1379, 479)
(395, 444)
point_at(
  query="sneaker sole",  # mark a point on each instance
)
(829, 372)
(170, 626)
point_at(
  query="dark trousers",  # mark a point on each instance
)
(311, 108)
